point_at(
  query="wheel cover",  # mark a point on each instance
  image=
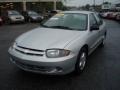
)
(104, 40)
(82, 61)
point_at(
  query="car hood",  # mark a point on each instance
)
(47, 38)
(15, 16)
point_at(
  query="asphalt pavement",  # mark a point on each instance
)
(102, 71)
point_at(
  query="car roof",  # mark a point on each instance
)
(31, 11)
(83, 12)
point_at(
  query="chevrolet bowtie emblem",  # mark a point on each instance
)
(26, 51)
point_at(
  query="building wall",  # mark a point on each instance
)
(36, 5)
(106, 6)
(10, 6)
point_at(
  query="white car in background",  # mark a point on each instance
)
(12, 16)
(106, 14)
(118, 16)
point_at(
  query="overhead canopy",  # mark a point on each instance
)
(29, 0)
(25, 1)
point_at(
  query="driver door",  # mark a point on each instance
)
(93, 37)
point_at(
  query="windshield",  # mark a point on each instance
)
(32, 13)
(13, 13)
(70, 21)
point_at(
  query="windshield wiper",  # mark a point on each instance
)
(58, 27)
(44, 25)
(61, 27)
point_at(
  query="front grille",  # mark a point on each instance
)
(29, 51)
(18, 18)
(33, 67)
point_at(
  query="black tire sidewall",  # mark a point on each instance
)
(103, 42)
(77, 67)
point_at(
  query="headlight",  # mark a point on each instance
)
(0, 19)
(12, 18)
(34, 17)
(42, 17)
(23, 17)
(13, 46)
(56, 53)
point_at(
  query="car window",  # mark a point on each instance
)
(98, 19)
(70, 20)
(32, 13)
(13, 13)
(93, 20)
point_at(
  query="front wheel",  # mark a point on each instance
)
(81, 61)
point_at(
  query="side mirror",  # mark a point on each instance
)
(40, 23)
(94, 27)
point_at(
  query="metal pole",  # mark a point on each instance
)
(54, 6)
(103, 1)
(24, 5)
(94, 4)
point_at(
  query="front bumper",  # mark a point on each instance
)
(43, 65)
(1, 22)
(17, 20)
(36, 20)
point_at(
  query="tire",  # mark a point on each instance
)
(103, 41)
(8, 22)
(29, 20)
(81, 61)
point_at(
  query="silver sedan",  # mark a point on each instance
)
(60, 45)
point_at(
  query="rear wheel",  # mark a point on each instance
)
(8, 21)
(81, 61)
(103, 41)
